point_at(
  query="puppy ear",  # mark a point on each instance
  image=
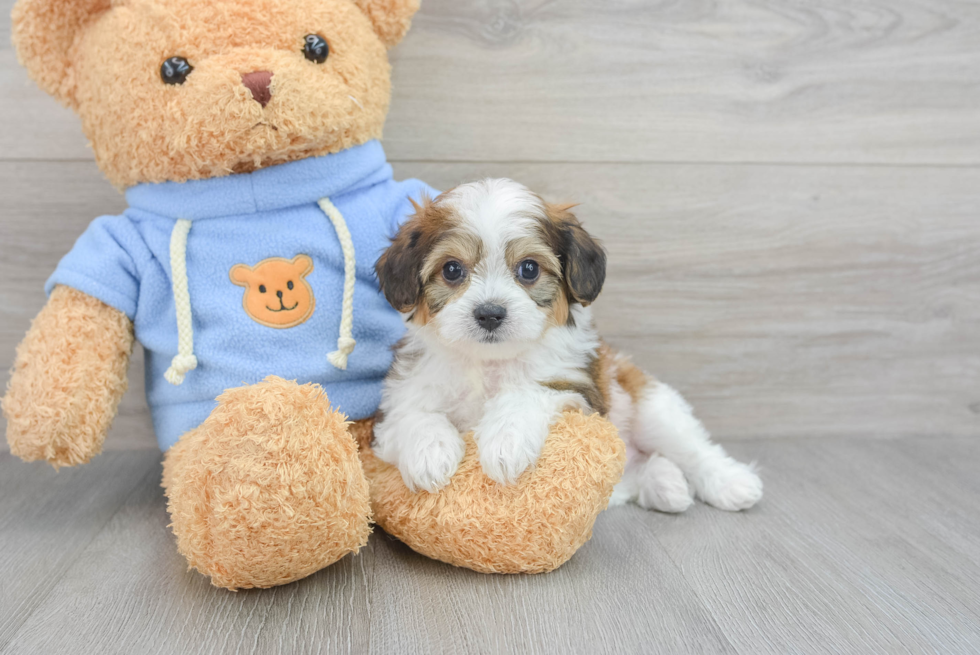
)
(44, 33)
(399, 269)
(583, 260)
(391, 18)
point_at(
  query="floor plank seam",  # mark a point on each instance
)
(610, 162)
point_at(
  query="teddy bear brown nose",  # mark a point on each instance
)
(258, 83)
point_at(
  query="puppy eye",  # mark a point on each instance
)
(261, 288)
(528, 270)
(315, 48)
(452, 271)
(289, 285)
(175, 70)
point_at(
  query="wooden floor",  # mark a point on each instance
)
(790, 195)
(861, 546)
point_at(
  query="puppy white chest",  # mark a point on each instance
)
(480, 383)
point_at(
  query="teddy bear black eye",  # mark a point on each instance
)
(529, 270)
(289, 285)
(315, 48)
(175, 70)
(452, 271)
(261, 288)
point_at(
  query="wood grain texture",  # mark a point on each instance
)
(860, 546)
(881, 81)
(130, 591)
(49, 518)
(842, 556)
(620, 593)
(781, 300)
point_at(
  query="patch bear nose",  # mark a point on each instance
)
(258, 83)
(279, 294)
(490, 316)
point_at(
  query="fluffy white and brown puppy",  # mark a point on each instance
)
(495, 287)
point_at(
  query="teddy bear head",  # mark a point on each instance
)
(174, 90)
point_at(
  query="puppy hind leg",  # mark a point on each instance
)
(660, 485)
(664, 423)
(650, 480)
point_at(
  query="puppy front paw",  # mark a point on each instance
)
(508, 448)
(429, 451)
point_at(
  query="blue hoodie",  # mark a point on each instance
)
(265, 274)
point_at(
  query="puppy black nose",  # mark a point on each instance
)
(490, 316)
(279, 293)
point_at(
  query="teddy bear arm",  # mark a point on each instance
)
(68, 377)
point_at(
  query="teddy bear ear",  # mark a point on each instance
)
(240, 274)
(391, 18)
(302, 264)
(44, 33)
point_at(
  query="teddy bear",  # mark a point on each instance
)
(245, 135)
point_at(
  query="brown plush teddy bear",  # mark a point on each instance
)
(244, 133)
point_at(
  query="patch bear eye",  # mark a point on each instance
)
(452, 271)
(528, 270)
(289, 285)
(175, 70)
(315, 48)
(261, 288)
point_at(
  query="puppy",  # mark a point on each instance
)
(495, 287)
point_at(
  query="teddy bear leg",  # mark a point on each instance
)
(532, 526)
(269, 489)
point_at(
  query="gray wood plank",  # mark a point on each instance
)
(840, 556)
(130, 591)
(885, 81)
(620, 593)
(781, 300)
(860, 546)
(48, 519)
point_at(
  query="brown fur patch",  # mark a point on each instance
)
(631, 378)
(601, 373)
(399, 269)
(560, 311)
(454, 244)
(547, 291)
(583, 260)
(596, 390)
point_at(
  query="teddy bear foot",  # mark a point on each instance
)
(269, 489)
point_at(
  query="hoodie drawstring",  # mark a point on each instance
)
(185, 360)
(345, 342)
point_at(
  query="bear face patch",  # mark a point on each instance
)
(277, 294)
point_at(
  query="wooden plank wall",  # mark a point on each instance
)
(789, 191)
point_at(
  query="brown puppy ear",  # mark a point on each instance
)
(44, 34)
(399, 269)
(583, 260)
(391, 18)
